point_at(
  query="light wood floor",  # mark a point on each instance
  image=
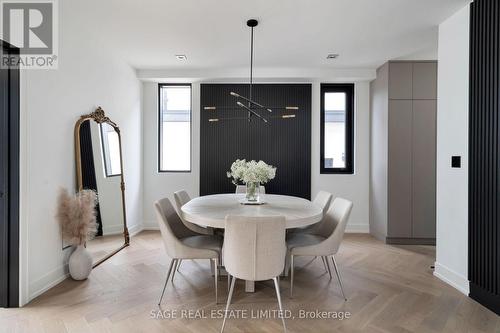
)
(390, 289)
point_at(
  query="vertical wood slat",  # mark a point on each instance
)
(284, 143)
(484, 143)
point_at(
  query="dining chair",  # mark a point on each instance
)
(323, 200)
(254, 250)
(325, 243)
(182, 243)
(181, 198)
(242, 189)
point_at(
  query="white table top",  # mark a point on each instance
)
(211, 210)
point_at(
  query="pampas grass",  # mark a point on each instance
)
(76, 215)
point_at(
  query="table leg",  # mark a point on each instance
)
(249, 286)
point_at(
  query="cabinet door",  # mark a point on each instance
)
(399, 168)
(400, 80)
(424, 80)
(424, 169)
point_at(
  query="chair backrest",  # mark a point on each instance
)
(323, 199)
(337, 217)
(254, 247)
(181, 198)
(240, 189)
(171, 227)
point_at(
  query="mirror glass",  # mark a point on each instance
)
(101, 171)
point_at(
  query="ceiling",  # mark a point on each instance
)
(291, 33)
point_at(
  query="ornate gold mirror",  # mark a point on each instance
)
(99, 166)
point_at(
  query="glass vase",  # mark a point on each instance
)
(252, 191)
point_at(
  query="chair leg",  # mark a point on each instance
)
(329, 269)
(216, 261)
(324, 264)
(175, 268)
(337, 271)
(166, 280)
(179, 265)
(228, 281)
(291, 276)
(278, 295)
(228, 302)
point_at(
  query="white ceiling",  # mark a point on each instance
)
(291, 33)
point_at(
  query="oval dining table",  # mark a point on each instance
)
(211, 211)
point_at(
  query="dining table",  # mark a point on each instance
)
(211, 211)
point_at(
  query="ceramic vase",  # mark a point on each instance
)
(80, 263)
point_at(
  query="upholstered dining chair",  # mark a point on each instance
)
(241, 189)
(254, 249)
(323, 200)
(326, 242)
(181, 198)
(182, 243)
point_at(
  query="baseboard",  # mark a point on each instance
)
(135, 229)
(47, 281)
(410, 241)
(357, 228)
(457, 281)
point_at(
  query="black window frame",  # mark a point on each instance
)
(160, 132)
(348, 89)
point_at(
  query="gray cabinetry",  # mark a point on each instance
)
(399, 169)
(402, 168)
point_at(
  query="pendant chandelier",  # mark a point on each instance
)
(248, 104)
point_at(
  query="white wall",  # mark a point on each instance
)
(452, 139)
(51, 102)
(354, 187)
(159, 185)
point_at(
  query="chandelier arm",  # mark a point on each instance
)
(251, 101)
(252, 111)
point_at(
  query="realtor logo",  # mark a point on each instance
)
(31, 27)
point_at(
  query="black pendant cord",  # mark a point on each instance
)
(251, 63)
(251, 71)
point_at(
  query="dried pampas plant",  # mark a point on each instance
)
(77, 216)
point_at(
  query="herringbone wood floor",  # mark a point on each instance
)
(390, 289)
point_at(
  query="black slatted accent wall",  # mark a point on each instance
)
(284, 143)
(484, 154)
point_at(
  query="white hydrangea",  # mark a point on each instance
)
(252, 171)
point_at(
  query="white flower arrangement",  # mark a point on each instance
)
(251, 172)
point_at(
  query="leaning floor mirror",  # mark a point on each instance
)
(99, 167)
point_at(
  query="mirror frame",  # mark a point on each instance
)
(99, 117)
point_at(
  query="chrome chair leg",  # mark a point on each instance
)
(324, 264)
(228, 302)
(216, 261)
(278, 295)
(291, 276)
(166, 280)
(179, 265)
(329, 269)
(175, 268)
(337, 271)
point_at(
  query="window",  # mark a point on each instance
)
(174, 128)
(337, 122)
(110, 150)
